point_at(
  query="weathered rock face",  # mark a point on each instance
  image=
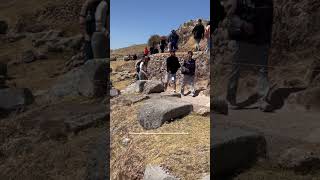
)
(295, 38)
(155, 112)
(157, 173)
(300, 160)
(89, 80)
(144, 86)
(157, 65)
(3, 27)
(12, 98)
(153, 87)
(234, 149)
(55, 42)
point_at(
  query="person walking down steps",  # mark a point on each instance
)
(198, 34)
(173, 40)
(188, 70)
(172, 67)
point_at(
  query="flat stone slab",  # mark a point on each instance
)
(235, 149)
(157, 173)
(144, 86)
(155, 112)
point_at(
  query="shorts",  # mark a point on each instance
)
(171, 77)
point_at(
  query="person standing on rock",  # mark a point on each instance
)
(198, 34)
(99, 42)
(172, 67)
(163, 44)
(250, 25)
(188, 70)
(173, 40)
(88, 25)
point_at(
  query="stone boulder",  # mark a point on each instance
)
(114, 92)
(3, 27)
(144, 86)
(153, 87)
(127, 100)
(235, 149)
(300, 160)
(13, 98)
(157, 173)
(89, 80)
(155, 112)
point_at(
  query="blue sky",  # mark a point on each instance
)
(134, 21)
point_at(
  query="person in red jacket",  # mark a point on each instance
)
(146, 51)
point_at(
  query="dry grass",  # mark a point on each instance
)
(122, 84)
(186, 156)
(53, 159)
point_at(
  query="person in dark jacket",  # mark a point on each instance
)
(163, 44)
(188, 70)
(172, 67)
(250, 25)
(198, 33)
(173, 40)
